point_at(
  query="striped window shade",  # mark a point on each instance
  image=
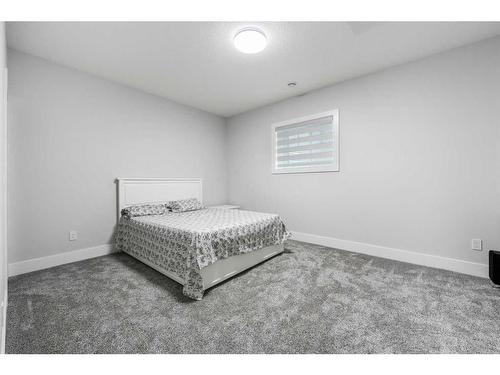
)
(308, 144)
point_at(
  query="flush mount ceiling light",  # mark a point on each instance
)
(250, 40)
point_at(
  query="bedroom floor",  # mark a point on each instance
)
(311, 299)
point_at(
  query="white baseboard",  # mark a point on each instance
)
(58, 259)
(3, 329)
(461, 266)
(451, 264)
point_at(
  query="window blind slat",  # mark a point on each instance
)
(306, 130)
(305, 152)
(316, 146)
(315, 155)
(322, 137)
(306, 145)
(327, 120)
(304, 164)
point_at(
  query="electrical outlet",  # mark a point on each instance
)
(477, 244)
(73, 235)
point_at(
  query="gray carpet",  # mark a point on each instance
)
(310, 299)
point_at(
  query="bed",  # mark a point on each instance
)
(199, 248)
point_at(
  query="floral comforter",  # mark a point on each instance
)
(184, 243)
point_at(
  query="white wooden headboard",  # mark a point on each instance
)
(156, 190)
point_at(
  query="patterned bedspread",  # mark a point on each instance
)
(184, 243)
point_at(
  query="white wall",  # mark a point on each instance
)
(420, 156)
(71, 134)
(3, 187)
(420, 161)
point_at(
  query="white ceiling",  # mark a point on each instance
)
(195, 63)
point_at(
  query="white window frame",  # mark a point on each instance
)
(313, 169)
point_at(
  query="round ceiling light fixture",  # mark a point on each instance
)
(250, 40)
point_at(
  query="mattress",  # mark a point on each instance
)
(184, 243)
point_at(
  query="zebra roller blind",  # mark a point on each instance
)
(308, 144)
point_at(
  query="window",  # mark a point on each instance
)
(307, 144)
